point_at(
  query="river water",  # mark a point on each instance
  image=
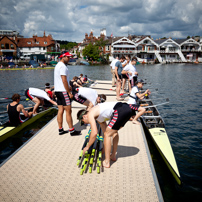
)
(181, 83)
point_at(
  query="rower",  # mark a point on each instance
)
(135, 95)
(118, 113)
(14, 110)
(38, 96)
(88, 97)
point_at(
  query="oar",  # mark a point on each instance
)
(85, 143)
(99, 159)
(7, 100)
(167, 99)
(86, 160)
(157, 105)
(93, 154)
(103, 89)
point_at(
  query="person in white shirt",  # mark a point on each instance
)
(63, 94)
(131, 71)
(112, 65)
(38, 96)
(88, 97)
(118, 114)
(135, 94)
(124, 76)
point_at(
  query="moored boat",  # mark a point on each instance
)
(154, 124)
(7, 131)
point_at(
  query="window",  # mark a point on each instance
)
(12, 46)
(44, 48)
(39, 48)
(29, 48)
(2, 45)
(45, 42)
(52, 48)
(28, 42)
(37, 42)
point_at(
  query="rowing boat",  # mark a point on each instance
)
(7, 131)
(155, 125)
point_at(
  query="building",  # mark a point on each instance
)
(37, 45)
(8, 47)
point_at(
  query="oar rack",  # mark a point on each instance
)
(92, 159)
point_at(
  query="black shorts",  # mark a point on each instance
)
(122, 113)
(63, 98)
(78, 98)
(120, 76)
(124, 76)
(133, 80)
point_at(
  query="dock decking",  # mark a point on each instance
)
(45, 169)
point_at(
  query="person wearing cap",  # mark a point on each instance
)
(118, 114)
(130, 69)
(135, 94)
(63, 94)
(88, 97)
(118, 70)
(38, 96)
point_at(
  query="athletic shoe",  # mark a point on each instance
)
(75, 133)
(62, 132)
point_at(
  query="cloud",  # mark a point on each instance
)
(70, 20)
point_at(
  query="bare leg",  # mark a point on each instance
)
(107, 145)
(141, 111)
(60, 115)
(69, 116)
(115, 146)
(37, 102)
(118, 88)
(123, 85)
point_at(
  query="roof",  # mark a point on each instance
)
(9, 39)
(36, 41)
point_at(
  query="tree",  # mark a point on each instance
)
(91, 51)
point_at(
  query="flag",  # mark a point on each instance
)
(111, 35)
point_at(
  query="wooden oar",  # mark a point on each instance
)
(148, 112)
(166, 99)
(157, 105)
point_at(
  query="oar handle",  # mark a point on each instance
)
(148, 112)
(142, 105)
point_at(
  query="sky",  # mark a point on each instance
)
(71, 19)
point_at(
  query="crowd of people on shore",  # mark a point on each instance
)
(97, 109)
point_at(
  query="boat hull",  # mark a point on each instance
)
(154, 124)
(8, 131)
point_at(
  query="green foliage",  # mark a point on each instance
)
(67, 45)
(188, 37)
(91, 51)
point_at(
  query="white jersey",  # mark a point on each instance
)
(134, 98)
(131, 69)
(60, 69)
(106, 111)
(113, 63)
(35, 92)
(89, 94)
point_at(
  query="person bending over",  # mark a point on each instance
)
(118, 113)
(38, 96)
(88, 97)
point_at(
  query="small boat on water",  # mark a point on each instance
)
(154, 124)
(7, 131)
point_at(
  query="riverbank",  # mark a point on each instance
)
(20, 68)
